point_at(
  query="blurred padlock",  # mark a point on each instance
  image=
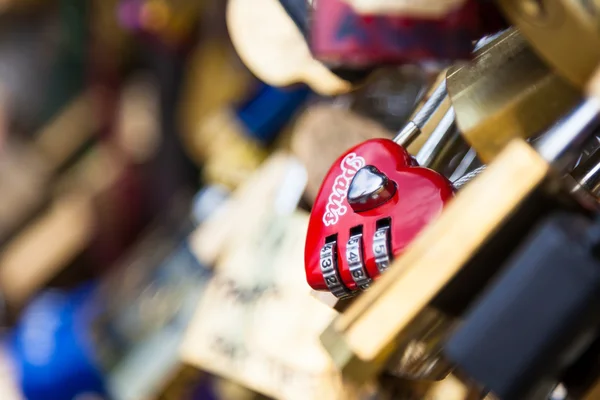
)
(83, 215)
(99, 332)
(232, 141)
(301, 12)
(342, 37)
(458, 253)
(424, 9)
(152, 293)
(273, 47)
(540, 314)
(216, 78)
(522, 361)
(26, 168)
(66, 366)
(101, 189)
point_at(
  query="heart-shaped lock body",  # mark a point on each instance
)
(374, 200)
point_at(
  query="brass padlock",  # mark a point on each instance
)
(507, 91)
(565, 33)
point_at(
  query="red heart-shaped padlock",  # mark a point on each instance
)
(373, 202)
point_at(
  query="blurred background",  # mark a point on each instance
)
(154, 198)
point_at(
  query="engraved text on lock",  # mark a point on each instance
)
(335, 207)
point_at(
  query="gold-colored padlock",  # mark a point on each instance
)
(565, 33)
(505, 92)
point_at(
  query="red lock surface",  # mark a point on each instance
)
(420, 196)
(341, 36)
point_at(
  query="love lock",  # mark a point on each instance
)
(341, 36)
(373, 202)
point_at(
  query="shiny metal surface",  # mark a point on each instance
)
(438, 140)
(565, 33)
(486, 40)
(381, 248)
(431, 105)
(408, 134)
(356, 262)
(562, 143)
(452, 155)
(464, 166)
(462, 181)
(506, 92)
(413, 128)
(562, 146)
(420, 355)
(584, 179)
(331, 274)
(590, 179)
(369, 189)
(590, 149)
